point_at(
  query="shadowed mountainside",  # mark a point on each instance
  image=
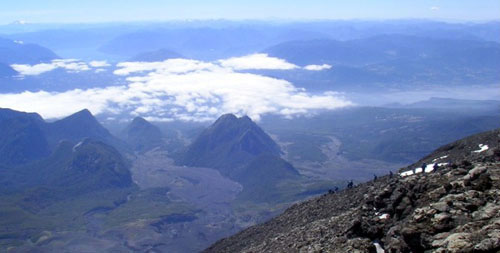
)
(141, 135)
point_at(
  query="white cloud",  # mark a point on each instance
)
(317, 67)
(434, 8)
(29, 70)
(99, 64)
(180, 89)
(70, 65)
(175, 66)
(256, 61)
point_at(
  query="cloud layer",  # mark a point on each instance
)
(189, 90)
(70, 65)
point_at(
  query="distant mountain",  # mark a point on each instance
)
(12, 52)
(21, 138)
(204, 43)
(383, 48)
(391, 61)
(390, 213)
(454, 104)
(27, 134)
(228, 143)
(142, 135)
(158, 55)
(76, 127)
(6, 114)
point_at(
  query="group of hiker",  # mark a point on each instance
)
(375, 177)
(435, 167)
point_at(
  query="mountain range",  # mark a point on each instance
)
(12, 52)
(155, 56)
(69, 153)
(390, 61)
(75, 169)
(27, 137)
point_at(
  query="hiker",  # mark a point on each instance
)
(350, 184)
(436, 166)
(424, 165)
(390, 174)
(374, 177)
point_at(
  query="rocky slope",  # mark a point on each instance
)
(453, 209)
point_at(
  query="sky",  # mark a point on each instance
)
(94, 11)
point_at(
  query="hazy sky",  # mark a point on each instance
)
(154, 10)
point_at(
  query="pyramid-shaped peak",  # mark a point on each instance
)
(139, 119)
(140, 122)
(226, 117)
(83, 114)
(230, 118)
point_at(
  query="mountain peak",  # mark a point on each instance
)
(139, 119)
(85, 112)
(141, 135)
(81, 116)
(228, 117)
(228, 143)
(77, 126)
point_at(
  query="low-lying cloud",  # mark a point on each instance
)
(70, 65)
(318, 67)
(188, 90)
(257, 61)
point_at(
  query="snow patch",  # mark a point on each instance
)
(440, 158)
(428, 168)
(19, 42)
(378, 247)
(77, 145)
(482, 147)
(384, 216)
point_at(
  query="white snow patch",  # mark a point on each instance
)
(428, 168)
(77, 145)
(378, 247)
(482, 147)
(384, 216)
(19, 42)
(440, 158)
